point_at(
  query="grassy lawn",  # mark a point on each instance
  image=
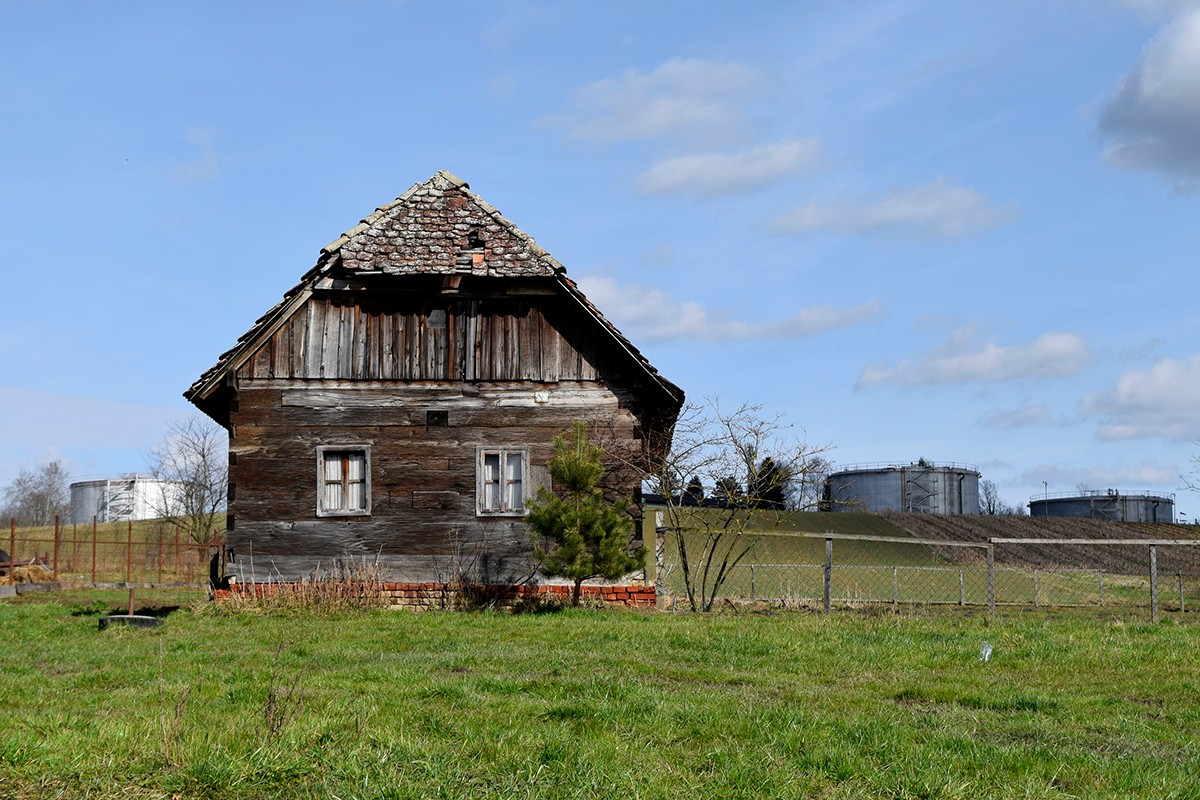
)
(593, 704)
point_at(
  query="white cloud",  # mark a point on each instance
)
(961, 360)
(1162, 402)
(37, 426)
(517, 21)
(1148, 475)
(655, 316)
(939, 209)
(661, 256)
(1153, 118)
(1157, 9)
(36, 419)
(712, 174)
(1010, 418)
(680, 98)
(206, 164)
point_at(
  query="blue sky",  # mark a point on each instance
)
(963, 231)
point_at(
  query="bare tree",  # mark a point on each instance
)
(726, 451)
(989, 498)
(811, 483)
(990, 503)
(1191, 481)
(193, 464)
(36, 496)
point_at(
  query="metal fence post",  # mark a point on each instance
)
(828, 574)
(56, 532)
(991, 567)
(1179, 577)
(1153, 584)
(752, 582)
(1036, 588)
(129, 553)
(12, 545)
(93, 551)
(895, 585)
(1101, 586)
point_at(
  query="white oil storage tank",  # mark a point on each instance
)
(129, 497)
(1110, 504)
(922, 487)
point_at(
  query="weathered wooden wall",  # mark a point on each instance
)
(423, 513)
(403, 337)
(356, 369)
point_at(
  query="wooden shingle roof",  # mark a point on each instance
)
(438, 227)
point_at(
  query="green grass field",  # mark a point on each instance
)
(592, 704)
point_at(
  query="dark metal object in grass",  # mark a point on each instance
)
(130, 620)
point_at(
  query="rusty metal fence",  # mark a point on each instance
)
(126, 554)
(828, 570)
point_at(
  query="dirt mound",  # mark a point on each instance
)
(31, 573)
(1115, 558)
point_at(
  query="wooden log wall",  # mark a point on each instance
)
(423, 477)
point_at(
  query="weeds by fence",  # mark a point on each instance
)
(144, 553)
(827, 569)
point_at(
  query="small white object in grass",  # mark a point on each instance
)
(985, 652)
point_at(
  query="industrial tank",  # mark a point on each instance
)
(130, 497)
(924, 487)
(1110, 504)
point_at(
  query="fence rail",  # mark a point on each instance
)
(781, 567)
(155, 552)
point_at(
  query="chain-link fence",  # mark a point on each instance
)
(699, 568)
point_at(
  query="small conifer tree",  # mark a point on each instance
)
(576, 534)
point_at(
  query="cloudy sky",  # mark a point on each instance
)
(963, 231)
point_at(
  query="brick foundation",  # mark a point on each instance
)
(419, 596)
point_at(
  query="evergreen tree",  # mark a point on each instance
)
(769, 486)
(728, 493)
(576, 534)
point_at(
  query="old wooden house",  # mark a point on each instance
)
(400, 403)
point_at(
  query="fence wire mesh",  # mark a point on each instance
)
(815, 569)
(153, 553)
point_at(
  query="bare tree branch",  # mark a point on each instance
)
(36, 496)
(193, 464)
(752, 467)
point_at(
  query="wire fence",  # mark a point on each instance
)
(111, 554)
(826, 570)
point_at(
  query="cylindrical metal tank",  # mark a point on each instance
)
(924, 487)
(1110, 504)
(130, 497)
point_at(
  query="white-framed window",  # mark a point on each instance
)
(501, 475)
(343, 481)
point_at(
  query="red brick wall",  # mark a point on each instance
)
(441, 595)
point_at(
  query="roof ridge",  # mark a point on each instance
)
(447, 179)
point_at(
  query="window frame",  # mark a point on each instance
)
(503, 454)
(347, 449)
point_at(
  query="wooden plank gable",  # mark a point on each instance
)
(334, 336)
